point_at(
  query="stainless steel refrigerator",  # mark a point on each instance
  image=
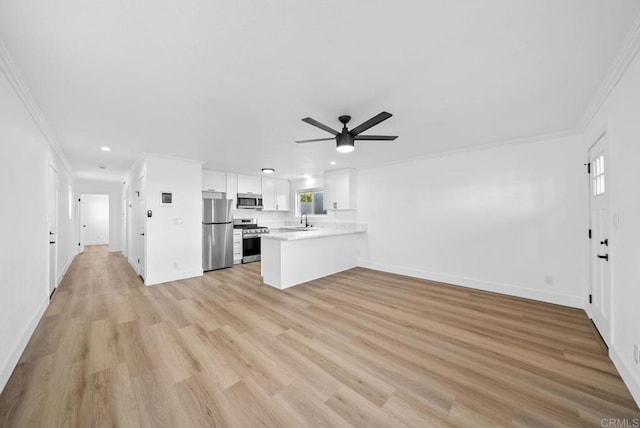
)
(217, 232)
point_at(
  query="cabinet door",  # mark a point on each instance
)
(249, 184)
(269, 194)
(214, 181)
(232, 187)
(339, 189)
(283, 195)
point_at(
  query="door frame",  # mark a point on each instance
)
(82, 239)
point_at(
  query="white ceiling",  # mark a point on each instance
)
(227, 82)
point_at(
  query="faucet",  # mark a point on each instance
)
(306, 220)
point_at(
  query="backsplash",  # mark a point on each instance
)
(265, 218)
(342, 220)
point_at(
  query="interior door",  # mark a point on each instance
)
(140, 227)
(82, 220)
(52, 224)
(600, 227)
(94, 219)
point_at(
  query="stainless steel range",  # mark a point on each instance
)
(251, 234)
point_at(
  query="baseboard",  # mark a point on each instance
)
(511, 290)
(14, 356)
(628, 375)
(173, 276)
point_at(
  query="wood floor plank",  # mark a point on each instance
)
(359, 348)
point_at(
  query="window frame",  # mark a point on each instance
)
(309, 190)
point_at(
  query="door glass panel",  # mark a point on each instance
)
(598, 176)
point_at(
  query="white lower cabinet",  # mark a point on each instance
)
(237, 246)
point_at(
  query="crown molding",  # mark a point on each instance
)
(10, 70)
(618, 67)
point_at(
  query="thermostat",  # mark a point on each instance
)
(166, 199)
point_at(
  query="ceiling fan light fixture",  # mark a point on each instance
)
(268, 170)
(345, 140)
(345, 148)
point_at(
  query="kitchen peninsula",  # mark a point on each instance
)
(292, 257)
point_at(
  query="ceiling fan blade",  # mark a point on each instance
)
(314, 140)
(371, 122)
(375, 137)
(320, 125)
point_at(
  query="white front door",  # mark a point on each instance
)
(52, 224)
(600, 227)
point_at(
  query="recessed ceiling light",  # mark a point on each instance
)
(268, 170)
(102, 166)
(332, 162)
(105, 149)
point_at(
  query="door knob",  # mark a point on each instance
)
(605, 242)
(606, 256)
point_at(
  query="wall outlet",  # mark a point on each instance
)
(548, 280)
(176, 265)
(635, 353)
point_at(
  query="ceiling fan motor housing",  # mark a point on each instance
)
(344, 139)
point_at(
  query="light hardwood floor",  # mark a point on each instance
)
(361, 348)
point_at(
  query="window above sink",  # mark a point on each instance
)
(310, 202)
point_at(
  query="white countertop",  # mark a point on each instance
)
(294, 235)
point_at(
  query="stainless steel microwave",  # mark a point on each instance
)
(249, 201)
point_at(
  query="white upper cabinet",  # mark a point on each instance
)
(232, 188)
(275, 194)
(249, 184)
(283, 195)
(268, 194)
(214, 181)
(340, 189)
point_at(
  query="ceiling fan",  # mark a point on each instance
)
(345, 139)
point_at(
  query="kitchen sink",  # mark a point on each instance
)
(299, 228)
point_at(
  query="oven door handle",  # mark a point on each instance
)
(250, 236)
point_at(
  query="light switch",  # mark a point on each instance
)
(178, 220)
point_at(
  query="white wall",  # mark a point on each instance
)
(94, 219)
(173, 251)
(24, 244)
(499, 219)
(114, 190)
(620, 117)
